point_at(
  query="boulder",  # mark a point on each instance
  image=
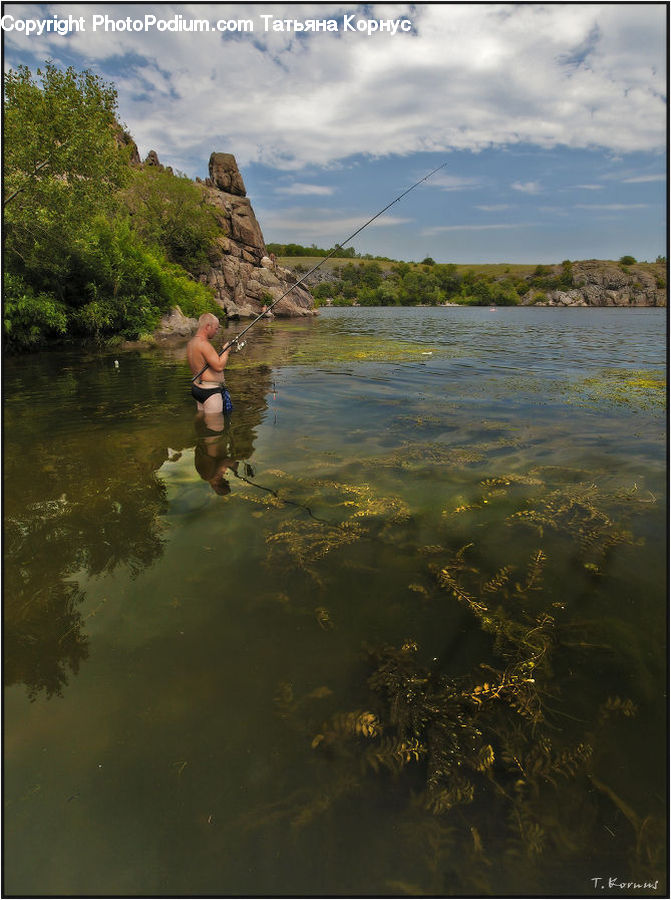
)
(153, 160)
(225, 175)
(175, 323)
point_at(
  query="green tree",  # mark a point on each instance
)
(628, 260)
(448, 278)
(323, 290)
(566, 277)
(121, 286)
(368, 296)
(62, 164)
(170, 212)
(370, 275)
(30, 319)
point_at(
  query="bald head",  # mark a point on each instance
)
(208, 319)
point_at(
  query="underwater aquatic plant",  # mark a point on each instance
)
(495, 763)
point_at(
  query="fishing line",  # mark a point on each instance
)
(283, 499)
(236, 339)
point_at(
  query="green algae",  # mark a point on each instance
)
(633, 388)
(317, 349)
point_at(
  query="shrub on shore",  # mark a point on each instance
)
(92, 247)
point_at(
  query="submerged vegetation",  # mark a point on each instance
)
(496, 766)
(318, 349)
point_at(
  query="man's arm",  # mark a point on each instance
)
(212, 358)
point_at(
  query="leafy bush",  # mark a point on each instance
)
(170, 212)
(312, 250)
(123, 287)
(323, 290)
(76, 262)
(566, 277)
(30, 319)
(628, 260)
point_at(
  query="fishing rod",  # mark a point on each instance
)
(236, 339)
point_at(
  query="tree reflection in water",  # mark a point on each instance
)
(82, 493)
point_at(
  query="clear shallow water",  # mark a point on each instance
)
(172, 654)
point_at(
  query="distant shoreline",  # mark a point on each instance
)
(579, 283)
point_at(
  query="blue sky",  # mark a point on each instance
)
(551, 119)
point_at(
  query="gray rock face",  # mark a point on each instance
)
(225, 175)
(124, 140)
(175, 323)
(239, 271)
(601, 283)
(152, 159)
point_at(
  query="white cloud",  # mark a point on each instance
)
(300, 189)
(455, 182)
(501, 226)
(496, 207)
(527, 187)
(588, 187)
(318, 224)
(643, 179)
(632, 177)
(469, 77)
(611, 206)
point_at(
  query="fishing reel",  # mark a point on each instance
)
(238, 345)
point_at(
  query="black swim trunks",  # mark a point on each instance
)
(201, 394)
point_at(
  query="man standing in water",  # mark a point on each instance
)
(208, 389)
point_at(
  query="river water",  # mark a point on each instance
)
(398, 627)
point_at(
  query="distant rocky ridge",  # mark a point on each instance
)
(595, 282)
(602, 283)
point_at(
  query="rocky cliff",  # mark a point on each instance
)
(601, 283)
(240, 272)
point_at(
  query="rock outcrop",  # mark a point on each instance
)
(240, 271)
(601, 283)
(125, 142)
(176, 324)
(152, 161)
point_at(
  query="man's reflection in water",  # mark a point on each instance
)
(214, 455)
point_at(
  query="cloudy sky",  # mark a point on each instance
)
(551, 119)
